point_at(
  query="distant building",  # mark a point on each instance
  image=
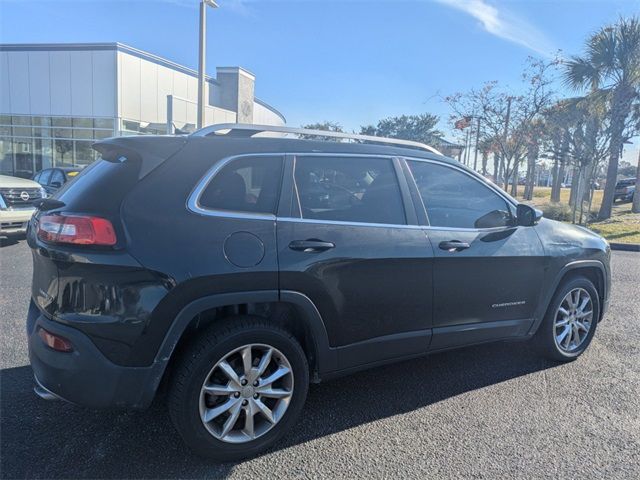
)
(57, 99)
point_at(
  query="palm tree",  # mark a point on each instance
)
(610, 69)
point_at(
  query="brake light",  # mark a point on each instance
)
(76, 229)
(56, 342)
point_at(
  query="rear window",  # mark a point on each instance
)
(101, 187)
(248, 184)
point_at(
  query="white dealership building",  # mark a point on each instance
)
(57, 99)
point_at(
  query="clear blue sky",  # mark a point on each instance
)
(351, 61)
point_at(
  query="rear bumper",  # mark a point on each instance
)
(85, 376)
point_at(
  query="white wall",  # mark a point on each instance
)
(263, 116)
(106, 83)
(57, 82)
(144, 86)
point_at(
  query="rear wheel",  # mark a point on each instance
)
(238, 389)
(571, 320)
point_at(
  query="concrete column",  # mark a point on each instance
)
(237, 87)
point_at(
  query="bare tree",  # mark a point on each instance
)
(505, 117)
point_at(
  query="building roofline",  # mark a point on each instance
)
(121, 47)
(273, 109)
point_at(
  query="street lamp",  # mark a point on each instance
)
(201, 63)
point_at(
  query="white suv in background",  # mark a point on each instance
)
(16, 203)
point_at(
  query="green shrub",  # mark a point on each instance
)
(558, 211)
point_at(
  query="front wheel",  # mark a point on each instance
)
(238, 389)
(571, 321)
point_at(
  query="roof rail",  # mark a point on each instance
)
(249, 130)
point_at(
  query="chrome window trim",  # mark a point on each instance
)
(193, 201)
(350, 224)
(194, 206)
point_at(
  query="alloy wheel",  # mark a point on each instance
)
(246, 393)
(573, 320)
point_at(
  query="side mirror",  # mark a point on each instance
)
(56, 184)
(527, 216)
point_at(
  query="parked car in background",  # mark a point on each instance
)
(625, 189)
(16, 203)
(52, 179)
(234, 271)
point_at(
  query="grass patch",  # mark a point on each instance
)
(622, 227)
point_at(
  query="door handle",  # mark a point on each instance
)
(453, 245)
(311, 246)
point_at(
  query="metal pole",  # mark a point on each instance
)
(169, 114)
(475, 155)
(201, 62)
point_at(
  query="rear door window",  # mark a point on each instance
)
(248, 184)
(349, 189)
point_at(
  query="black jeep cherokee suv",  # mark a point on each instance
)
(236, 269)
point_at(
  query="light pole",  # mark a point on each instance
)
(201, 55)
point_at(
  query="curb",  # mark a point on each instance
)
(626, 247)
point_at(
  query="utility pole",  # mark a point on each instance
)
(475, 155)
(467, 146)
(635, 207)
(504, 140)
(201, 57)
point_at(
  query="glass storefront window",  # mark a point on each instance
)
(84, 153)
(31, 144)
(99, 134)
(6, 156)
(103, 123)
(22, 132)
(42, 121)
(22, 153)
(21, 120)
(62, 133)
(41, 132)
(43, 153)
(131, 125)
(63, 152)
(83, 122)
(85, 134)
(60, 121)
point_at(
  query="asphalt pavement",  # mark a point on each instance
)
(483, 412)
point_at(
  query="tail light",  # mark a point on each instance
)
(76, 229)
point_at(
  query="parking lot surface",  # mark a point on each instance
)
(487, 411)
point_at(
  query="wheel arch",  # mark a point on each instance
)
(594, 270)
(305, 322)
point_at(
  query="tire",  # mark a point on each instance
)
(205, 361)
(549, 337)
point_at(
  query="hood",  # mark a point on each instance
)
(566, 235)
(17, 182)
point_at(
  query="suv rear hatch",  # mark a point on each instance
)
(83, 275)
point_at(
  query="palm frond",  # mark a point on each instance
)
(580, 73)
